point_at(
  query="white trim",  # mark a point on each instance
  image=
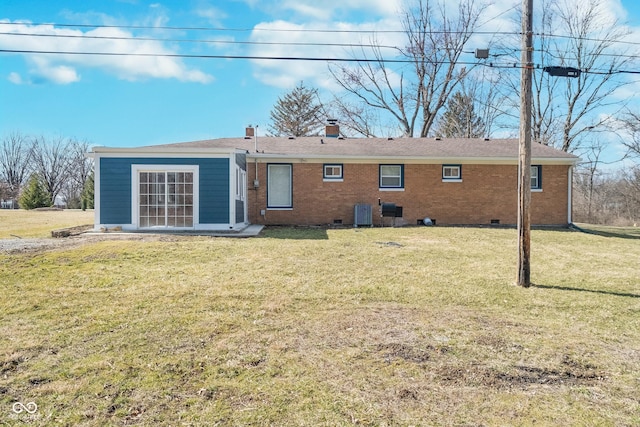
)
(135, 192)
(326, 177)
(450, 168)
(390, 189)
(232, 190)
(280, 158)
(165, 155)
(269, 183)
(333, 180)
(160, 151)
(570, 196)
(96, 193)
(451, 180)
(536, 190)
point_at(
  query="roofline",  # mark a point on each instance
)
(297, 158)
(165, 150)
(159, 151)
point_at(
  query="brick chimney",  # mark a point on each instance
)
(332, 130)
(249, 132)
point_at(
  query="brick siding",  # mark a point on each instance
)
(486, 193)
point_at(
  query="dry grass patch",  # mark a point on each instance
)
(35, 223)
(411, 326)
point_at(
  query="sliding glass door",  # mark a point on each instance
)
(165, 199)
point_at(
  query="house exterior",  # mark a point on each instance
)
(228, 183)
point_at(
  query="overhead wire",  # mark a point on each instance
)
(258, 43)
(206, 41)
(302, 30)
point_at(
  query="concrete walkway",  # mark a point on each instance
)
(252, 230)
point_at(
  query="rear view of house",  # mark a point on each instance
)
(231, 182)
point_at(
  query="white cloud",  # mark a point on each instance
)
(214, 15)
(15, 78)
(59, 74)
(62, 68)
(329, 9)
(295, 40)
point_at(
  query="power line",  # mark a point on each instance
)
(306, 30)
(214, 29)
(513, 65)
(73, 36)
(202, 56)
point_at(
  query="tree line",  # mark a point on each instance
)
(39, 171)
(434, 93)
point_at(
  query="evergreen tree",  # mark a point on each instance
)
(87, 201)
(298, 113)
(460, 120)
(35, 195)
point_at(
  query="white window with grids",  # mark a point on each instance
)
(536, 178)
(332, 172)
(165, 197)
(452, 173)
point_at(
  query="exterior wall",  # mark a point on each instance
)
(115, 187)
(486, 193)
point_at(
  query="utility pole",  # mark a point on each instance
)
(524, 151)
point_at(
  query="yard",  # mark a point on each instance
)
(383, 326)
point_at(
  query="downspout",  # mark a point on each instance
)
(255, 139)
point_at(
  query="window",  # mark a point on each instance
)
(332, 172)
(536, 177)
(165, 198)
(391, 176)
(451, 172)
(279, 186)
(241, 184)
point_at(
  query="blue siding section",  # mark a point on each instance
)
(115, 191)
(214, 190)
(115, 187)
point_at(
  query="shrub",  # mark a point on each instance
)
(35, 195)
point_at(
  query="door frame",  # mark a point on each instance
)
(135, 192)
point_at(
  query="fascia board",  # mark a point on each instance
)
(164, 154)
(263, 158)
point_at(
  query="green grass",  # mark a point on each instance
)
(394, 326)
(27, 224)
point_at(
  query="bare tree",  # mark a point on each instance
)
(631, 123)
(14, 162)
(51, 160)
(631, 193)
(435, 42)
(355, 118)
(581, 35)
(491, 105)
(80, 167)
(591, 39)
(587, 179)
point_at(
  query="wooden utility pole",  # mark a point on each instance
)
(524, 152)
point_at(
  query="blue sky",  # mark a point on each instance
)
(133, 101)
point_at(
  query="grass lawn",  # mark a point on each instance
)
(23, 224)
(373, 327)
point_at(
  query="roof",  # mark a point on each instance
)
(412, 149)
